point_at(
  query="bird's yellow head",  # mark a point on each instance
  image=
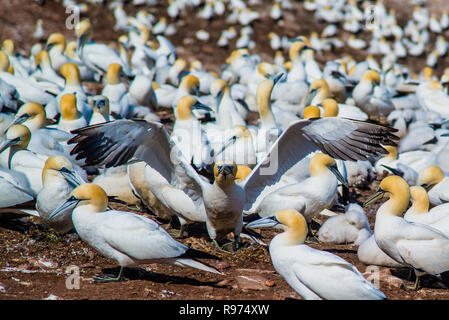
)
(71, 73)
(371, 76)
(427, 73)
(90, 194)
(196, 65)
(32, 114)
(184, 108)
(225, 172)
(70, 49)
(113, 73)
(330, 107)
(294, 223)
(68, 107)
(236, 54)
(319, 163)
(266, 69)
(323, 164)
(56, 40)
(217, 87)
(83, 28)
(311, 112)
(295, 50)
(144, 33)
(242, 173)
(420, 199)
(392, 152)
(53, 166)
(42, 57)
(18, 136)
(430, 176)
(191, 84)
(395, 188)
(9, 47)
(180, 65)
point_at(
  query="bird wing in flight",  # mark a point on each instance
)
(340, 138)
(114, 143)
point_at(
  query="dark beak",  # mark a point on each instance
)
(219, 97)
(393, 170)
(227, 144)
(278, 77)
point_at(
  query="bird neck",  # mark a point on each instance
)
(420, 202)
(35, 123)
(397, 204)
(419, 207)
(265, 112)
(294, 235)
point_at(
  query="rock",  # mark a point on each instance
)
(383, 275)
(222, 265)
(270, 283)
(251, 282)
(252, 271)
(224, 283)
(206, 289)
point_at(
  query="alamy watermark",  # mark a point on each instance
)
(73, 279)
(73, 17)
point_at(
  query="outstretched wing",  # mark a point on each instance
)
(114, 143)
(341, 138)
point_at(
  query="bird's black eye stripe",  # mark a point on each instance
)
(73, 198)
(64, 169)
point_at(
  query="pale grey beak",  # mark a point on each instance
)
(70, 203)
(8, 143)
(267, 222)
(72, 177)
(18, 120)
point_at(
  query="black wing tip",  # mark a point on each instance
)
(197, 254)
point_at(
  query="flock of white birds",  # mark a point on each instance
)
(322, 130)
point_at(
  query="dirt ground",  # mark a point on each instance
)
(36, 263)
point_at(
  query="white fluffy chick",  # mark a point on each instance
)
(350, 227)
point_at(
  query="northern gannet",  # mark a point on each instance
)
(433, 179)
(414, 245)
(71, 118)
(437, 217)
(58, 180)
(127, 238)
(312, 273)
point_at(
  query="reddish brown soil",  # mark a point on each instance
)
(34, 260)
